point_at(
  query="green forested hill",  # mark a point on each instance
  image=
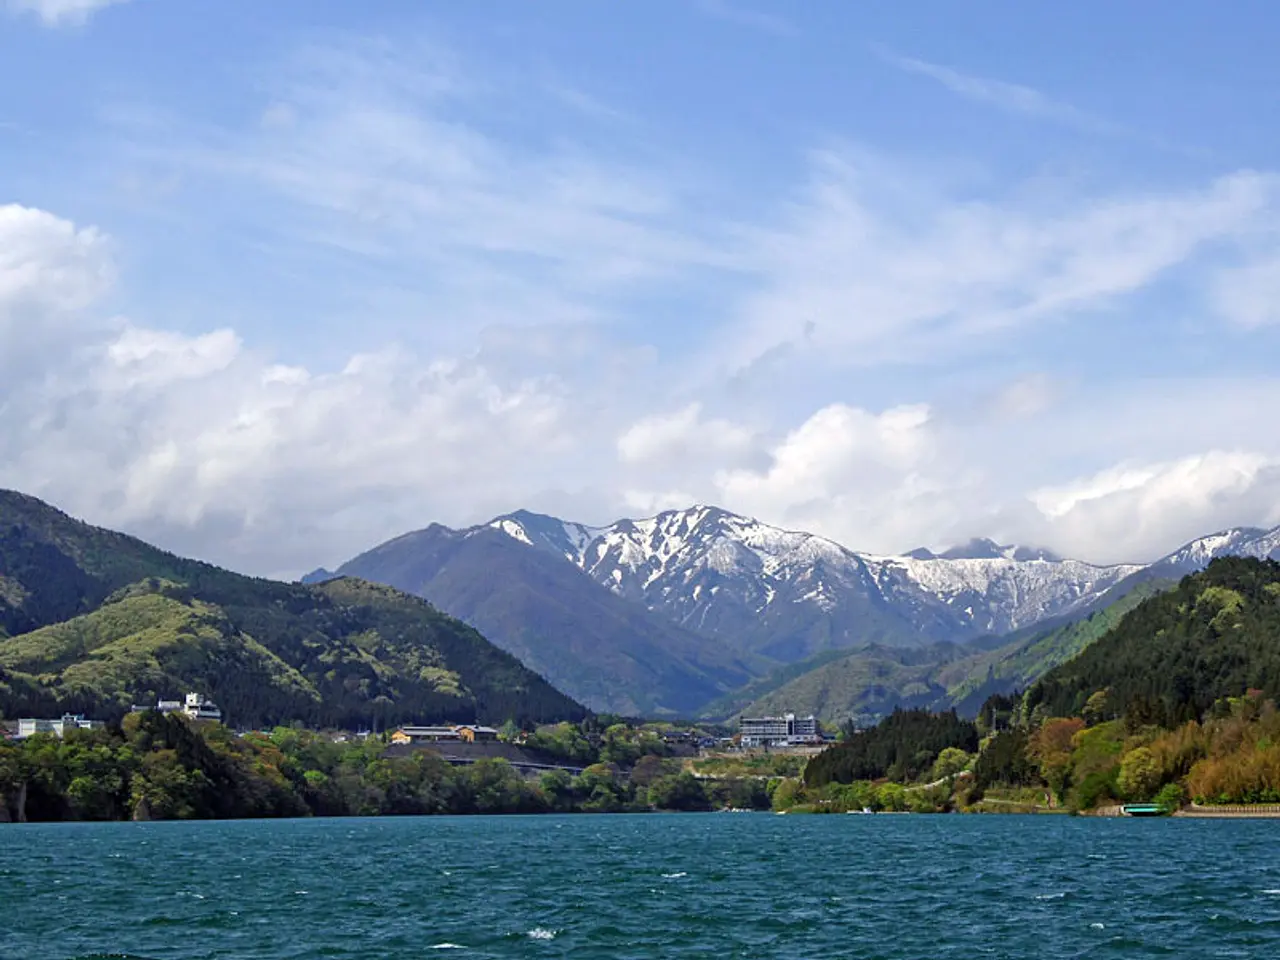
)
(92, 621)
(866, 684)
(1171, 658)
(1032, 653)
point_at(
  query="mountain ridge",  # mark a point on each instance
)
(769, 597)
(609, 653)
(92, 620)
(790, 594)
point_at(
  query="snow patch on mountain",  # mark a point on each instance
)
(732, 576)
(682, 561)
(1238, 541)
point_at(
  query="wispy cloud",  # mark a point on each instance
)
(1009, 97)
(61, 13)
(854, 271)
(746, 17)
(383, 156)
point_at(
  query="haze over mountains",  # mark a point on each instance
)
(660, 613)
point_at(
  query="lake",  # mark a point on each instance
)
(708, 885)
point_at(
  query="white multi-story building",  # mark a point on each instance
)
(787, 730)
(30, 726)
(195, 706)
(198, 708)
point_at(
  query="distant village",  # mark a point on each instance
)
(467, 742)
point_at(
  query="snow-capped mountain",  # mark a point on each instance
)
(660, 614)
(788, 594)
(1236, 542)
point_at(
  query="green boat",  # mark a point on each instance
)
(1143, 810)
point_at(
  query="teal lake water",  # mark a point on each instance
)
(723, 886)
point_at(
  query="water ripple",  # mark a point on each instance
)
(881, 888)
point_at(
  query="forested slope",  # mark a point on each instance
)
(1216, 635)
(96, 620)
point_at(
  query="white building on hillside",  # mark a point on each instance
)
(195, 707)
(30, 726)
(787, 730)
(198, 708)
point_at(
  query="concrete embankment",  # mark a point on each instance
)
(1231, 810)
(1216, 812)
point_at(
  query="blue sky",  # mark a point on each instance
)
(278, 281)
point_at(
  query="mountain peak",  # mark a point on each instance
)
(984, 548)
(1240, 541)
(979, 548)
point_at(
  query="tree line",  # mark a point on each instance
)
(1176, 703)
(156, 766)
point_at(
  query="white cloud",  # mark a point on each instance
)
(47, 262)
(850, 473)
(50, 272)
(664, 440)
(1056, 502)
(59, 13)
(1151, 507)
(1010, 97)
(211, 447)
(1249, 295)
(873, 265)
(200, 442)
(159, 357)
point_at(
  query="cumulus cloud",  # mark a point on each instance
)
(59, 13)
(858, 475)
(1149, 506)
(202, 442)
(665, 439)
(212, 446)
(46, 262)
(50, 272)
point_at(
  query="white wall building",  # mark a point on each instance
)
(195, 706)
(30, 726)
(198, 708)
(787, 730)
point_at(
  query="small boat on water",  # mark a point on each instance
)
(1143, 810)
